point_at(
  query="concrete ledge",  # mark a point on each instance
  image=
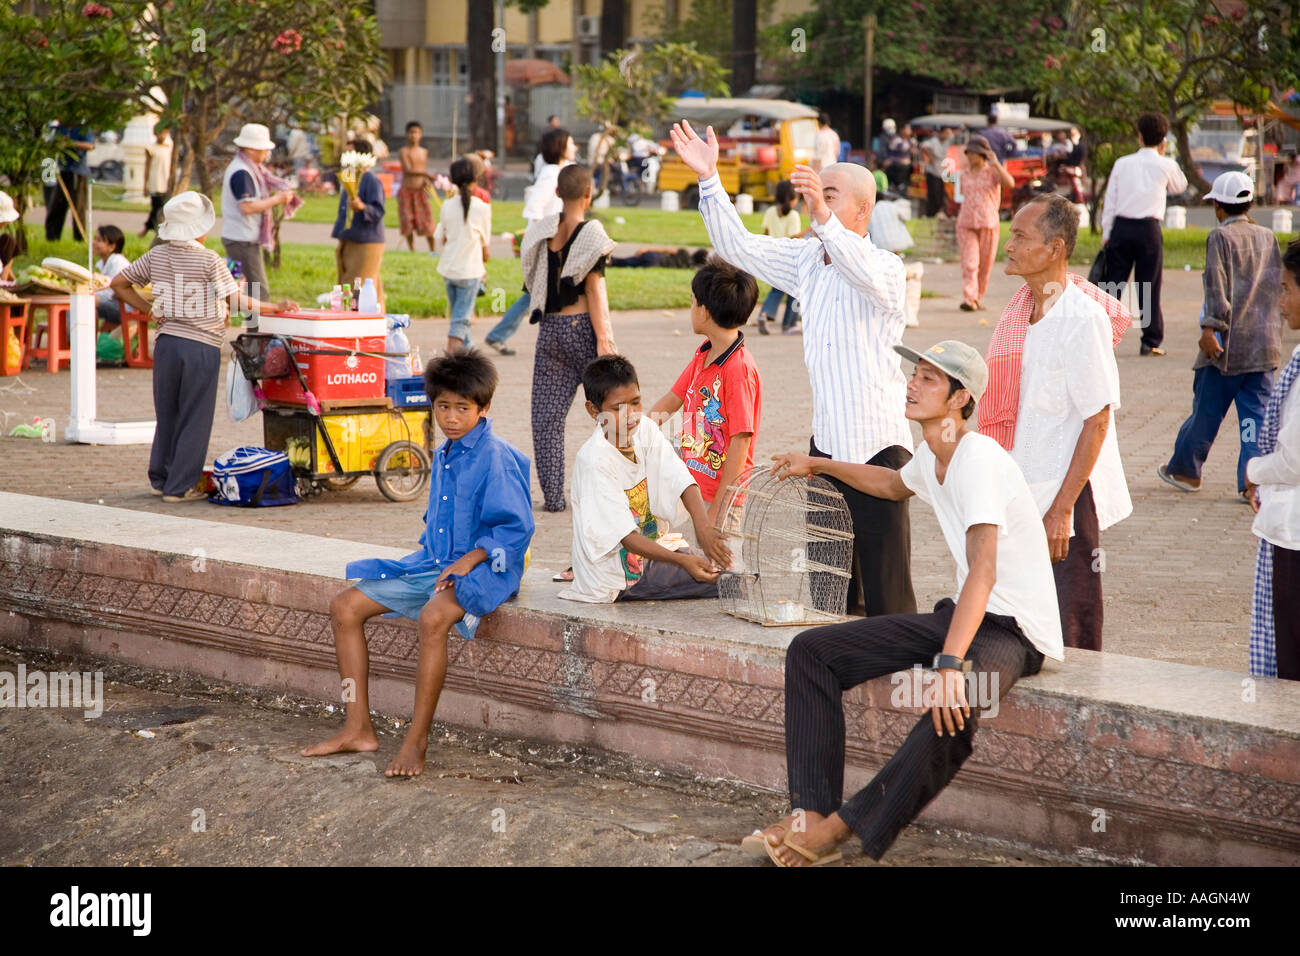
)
(1184, 770)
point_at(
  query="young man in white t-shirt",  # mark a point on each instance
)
(628, 483)
(1002, 625)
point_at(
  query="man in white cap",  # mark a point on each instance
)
(1001, 625)
(1241, 335)
(8, 241)
(245, 196)
(192, 294)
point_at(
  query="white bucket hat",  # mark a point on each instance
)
(254, 136)
(1232, 187)
(7, 211)
(888, 125)
(187, 215)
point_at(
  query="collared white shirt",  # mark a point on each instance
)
(1068, 373)
(853, 316)
(1138, 186)
(1278, 477)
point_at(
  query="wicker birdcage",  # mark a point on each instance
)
(793, 544)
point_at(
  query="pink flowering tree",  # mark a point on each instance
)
(74, 65)
(223, 63)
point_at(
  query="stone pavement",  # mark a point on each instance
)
(179, 771)
(1178, 573)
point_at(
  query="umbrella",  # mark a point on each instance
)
(534, 73)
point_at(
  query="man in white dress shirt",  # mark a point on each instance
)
(1131, 217)
(853, 296)
(1065, 429)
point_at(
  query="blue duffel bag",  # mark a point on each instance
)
(253, 478)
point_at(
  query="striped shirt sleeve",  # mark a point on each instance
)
(774, 261)
(876, 273)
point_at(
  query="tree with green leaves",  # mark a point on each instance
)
(482, 51)
(634, 91)
(223, 63)
(1175, 57)
(977, 44)
(79, 64)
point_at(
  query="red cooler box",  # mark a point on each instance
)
(330, 377)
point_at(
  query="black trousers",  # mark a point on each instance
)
(156, 203)
(1137, 245)
(1078, 578)
(882, 543)
(185, 374)
(826, 661)
(56, 212)
(1286, 611)
(934, 195)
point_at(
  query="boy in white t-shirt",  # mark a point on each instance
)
(628, 483)
(1003, 623)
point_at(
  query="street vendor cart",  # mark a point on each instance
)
(320, 383)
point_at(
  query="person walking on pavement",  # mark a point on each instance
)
(1131, 217)
(1241, 337)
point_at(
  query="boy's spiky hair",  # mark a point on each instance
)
(728, 294)
(465, 372)
(604, 374)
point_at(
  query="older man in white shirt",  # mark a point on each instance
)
(1065, 427)
(1131, 217)
(853, 296)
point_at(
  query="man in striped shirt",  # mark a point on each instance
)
(852, 293)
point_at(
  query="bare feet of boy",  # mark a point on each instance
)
(345, 741)
(409, 761)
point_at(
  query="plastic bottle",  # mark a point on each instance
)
(368, 298)
(356, 294)
(347, 298)
(336, 299)
(417, 363)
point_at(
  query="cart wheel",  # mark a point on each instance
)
(340, 484)
(402, 471)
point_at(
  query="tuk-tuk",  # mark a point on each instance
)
(759, 144)
(1026, 170)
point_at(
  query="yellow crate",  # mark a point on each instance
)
(359, 437)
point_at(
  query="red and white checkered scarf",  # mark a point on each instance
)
(1001, 401)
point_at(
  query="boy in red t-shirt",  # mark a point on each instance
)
(719, 392)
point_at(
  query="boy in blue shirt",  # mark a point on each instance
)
(478, 525)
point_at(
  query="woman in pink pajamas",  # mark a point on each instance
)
(977, 222)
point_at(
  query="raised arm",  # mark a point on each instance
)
(774, 261)
(876, 273)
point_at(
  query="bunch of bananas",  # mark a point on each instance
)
(299, 452)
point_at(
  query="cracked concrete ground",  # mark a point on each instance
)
(181, 771)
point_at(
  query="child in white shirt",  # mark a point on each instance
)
(108, 243)
(628, 482)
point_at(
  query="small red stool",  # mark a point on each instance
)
(135, 322)
(13, 322)
(53, 331)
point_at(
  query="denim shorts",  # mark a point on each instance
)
(460, 297)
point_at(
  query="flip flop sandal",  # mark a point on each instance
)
(564, 577)
(756, 844)
(1170, 479)
(813, 859)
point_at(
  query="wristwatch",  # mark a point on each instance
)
(951, 662)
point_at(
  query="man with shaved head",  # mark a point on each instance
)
(852, 294)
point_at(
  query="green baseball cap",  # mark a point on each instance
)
(958, 359)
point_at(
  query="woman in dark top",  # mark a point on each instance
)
(361, 245)
(574, 322)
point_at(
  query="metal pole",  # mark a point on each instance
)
(867, 84)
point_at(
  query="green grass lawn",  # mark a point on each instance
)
(414, 286)
(411, 280)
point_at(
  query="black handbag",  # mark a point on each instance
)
(1097, 274)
